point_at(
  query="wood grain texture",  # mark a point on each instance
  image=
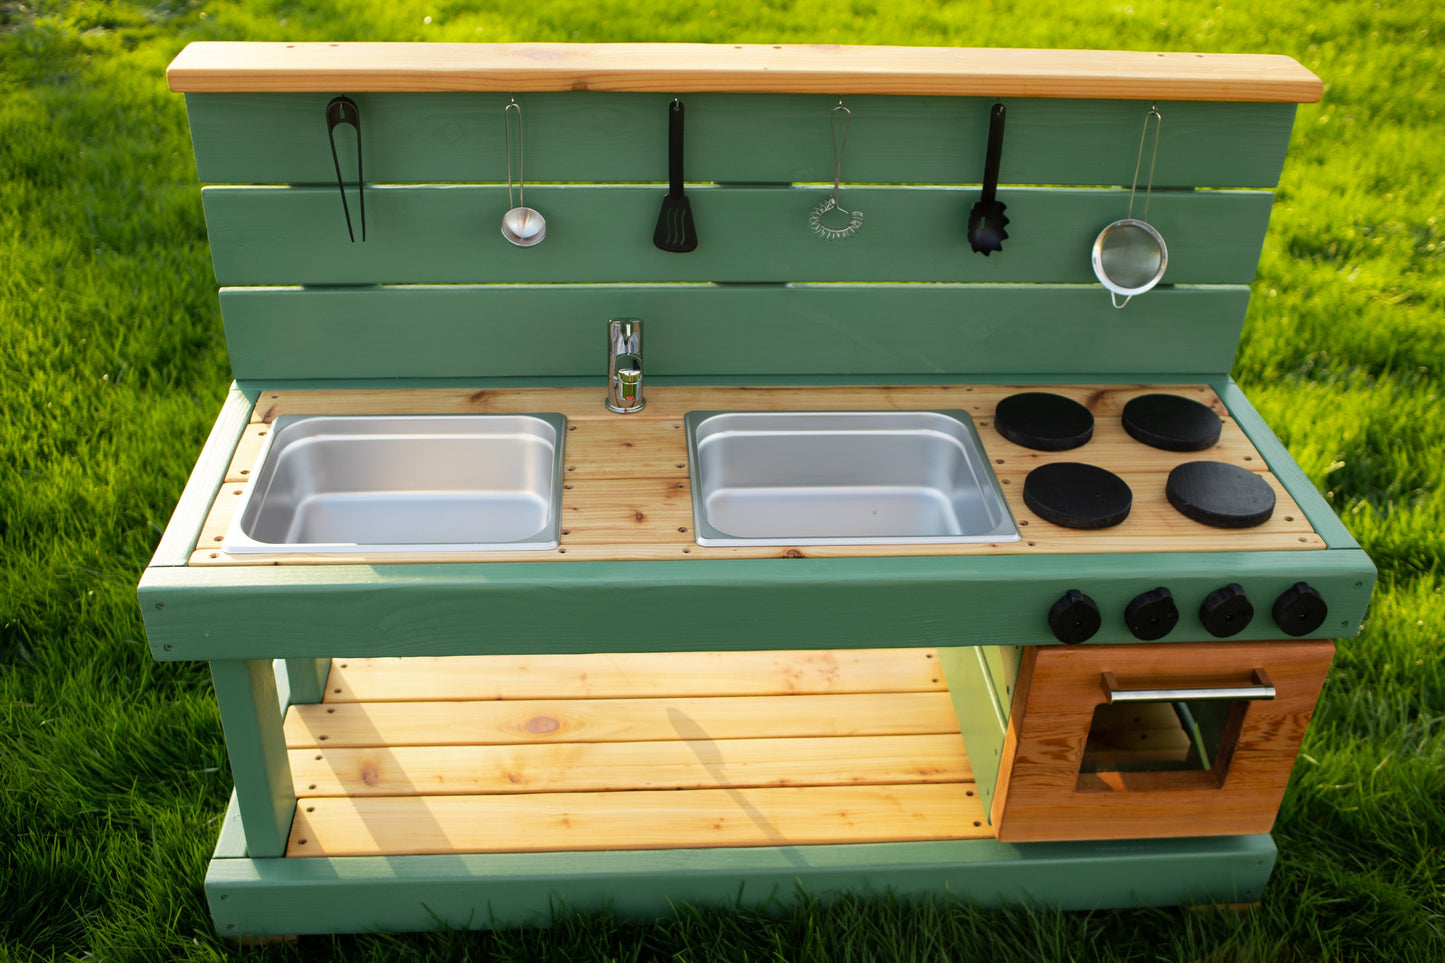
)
(620, 766)
(1043, 797)
(602, 233)
(578, 822)
(947, 331)
(177, 543)
(622, 675)
(528, 721)
(589, 137)
(790, 68)
(626, 491)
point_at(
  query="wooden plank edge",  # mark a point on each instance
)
(184, 528)
(211, 67)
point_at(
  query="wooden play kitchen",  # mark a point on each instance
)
(923, 545)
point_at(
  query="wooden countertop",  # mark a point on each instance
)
(627, 497)
(238, 67)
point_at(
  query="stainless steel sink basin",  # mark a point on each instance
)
(842, 477)
(404, 483)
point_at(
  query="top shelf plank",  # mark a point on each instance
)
(227, 67)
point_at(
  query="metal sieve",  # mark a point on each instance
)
(1129, 255)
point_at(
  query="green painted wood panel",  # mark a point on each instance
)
(696, 329)
(451, 234)
(266, 612)
(982, 717)
(1320, 513)
(246, 695)
(179, 538)
(367, 894)
(736, 138)
(301, 681)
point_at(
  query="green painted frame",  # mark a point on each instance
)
(289, 896)
(588, 136)
(602, 233)
(732, 331)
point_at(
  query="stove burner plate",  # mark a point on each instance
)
(1043, 421)
(1219, 494)
(1171, 422)
(1076, 495)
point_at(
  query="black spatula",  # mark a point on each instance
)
(675, 229)
(986, 220)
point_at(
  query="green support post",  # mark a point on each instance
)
(305, 681)
(247, 697)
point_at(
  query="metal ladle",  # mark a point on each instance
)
(521, 225)
(1130, 255)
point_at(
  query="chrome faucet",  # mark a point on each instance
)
(624, 365)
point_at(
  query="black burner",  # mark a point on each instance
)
(1043, 421)
(1076, 495)
(1219, 494)
(1171, 422)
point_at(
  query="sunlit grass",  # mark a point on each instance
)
(112, 367)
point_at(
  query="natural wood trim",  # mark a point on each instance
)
(1040, 797)
(236, 67)
(573, 822)
(626, 492)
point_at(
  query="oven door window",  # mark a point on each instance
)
(1168, 736)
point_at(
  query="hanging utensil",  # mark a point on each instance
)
(521, 225)
(343, 110)
(1130, 255)
(986, 221)
(675, 231)
(855, 218)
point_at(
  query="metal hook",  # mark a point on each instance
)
(343, 110)
(1154, 155)
(837, 148)
(521, 146)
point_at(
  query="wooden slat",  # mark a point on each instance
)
(541, 822)
(248, 450)
(626, 492)
(359, 725)
(681, 67)
(940, 330)
(448, 234)
(587, 137)
(621, 675)
(609, 766)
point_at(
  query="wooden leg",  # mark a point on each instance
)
(246, 694)
(305, 681)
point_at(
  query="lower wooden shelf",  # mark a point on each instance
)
(488, 792)
(793, 748)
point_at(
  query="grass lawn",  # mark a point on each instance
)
(113, 772)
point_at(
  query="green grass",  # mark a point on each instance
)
(112, 367)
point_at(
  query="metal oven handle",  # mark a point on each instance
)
(1262, 689)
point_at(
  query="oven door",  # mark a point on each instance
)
(1144, 741)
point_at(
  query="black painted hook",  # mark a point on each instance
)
(343, 110)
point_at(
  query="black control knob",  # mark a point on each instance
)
(1074, 618)
(1151, 615)
(1300, 609)
(1226, 612)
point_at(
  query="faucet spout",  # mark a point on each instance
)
(624, 366)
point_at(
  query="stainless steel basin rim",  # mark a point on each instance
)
(346, 484)
(842, 478)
